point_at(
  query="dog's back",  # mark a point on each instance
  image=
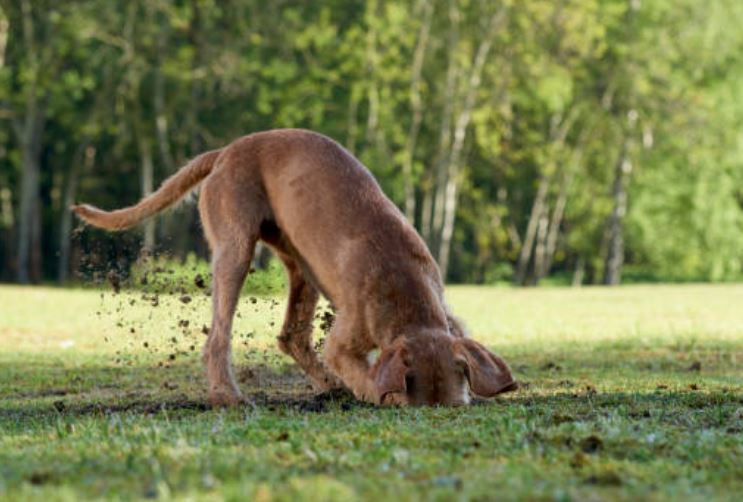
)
(346, 231)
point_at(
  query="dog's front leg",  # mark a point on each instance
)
(296, 334)
(348, 361)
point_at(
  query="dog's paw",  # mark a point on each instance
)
(395, 399)
(227, 398)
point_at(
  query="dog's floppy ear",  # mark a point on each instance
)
(487, 373)
(389, 371)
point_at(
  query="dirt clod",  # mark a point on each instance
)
(604, 479)
(39, 477)
(326, 321)
(560, 418)
(114, 280)
(591, 444)
(283, 436)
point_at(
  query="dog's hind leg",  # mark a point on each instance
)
(230, 264)
(295, 339)
(230, 213)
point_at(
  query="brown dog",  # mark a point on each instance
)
(324, 215)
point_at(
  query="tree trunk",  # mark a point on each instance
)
(426, 210)
(511, 230)
(372, 122)
(579, 272)
(556, 220)
(29, 207)
(195, 85)
(7, 235)
(158, 103)
(161, 123)
(435, 203)
(540, 249)
(554, 230)
(147, 177)
(615, 226)
(460, 133)
(537, 208)
(447, 230)
(65, 222)
(86, 157)
(6, 208)
(560, 126)
(29, 133)
(182, 227)
(36, 258)
(416, 110)
(4, 28)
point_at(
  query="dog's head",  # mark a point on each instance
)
(438, 369)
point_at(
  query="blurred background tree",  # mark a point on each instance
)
(569, 141)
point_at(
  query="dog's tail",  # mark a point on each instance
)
(170, 192)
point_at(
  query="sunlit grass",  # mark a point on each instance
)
(634, 392)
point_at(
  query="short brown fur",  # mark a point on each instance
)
(324, 215)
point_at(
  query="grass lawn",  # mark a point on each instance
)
(632, 393)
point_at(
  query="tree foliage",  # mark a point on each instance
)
(584, 139)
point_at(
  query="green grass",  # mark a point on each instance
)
(628, 393)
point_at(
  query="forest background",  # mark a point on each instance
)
(540, 141)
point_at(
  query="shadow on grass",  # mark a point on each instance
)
(45, 390)
(684, 409)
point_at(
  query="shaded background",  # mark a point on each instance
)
(562, 141)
